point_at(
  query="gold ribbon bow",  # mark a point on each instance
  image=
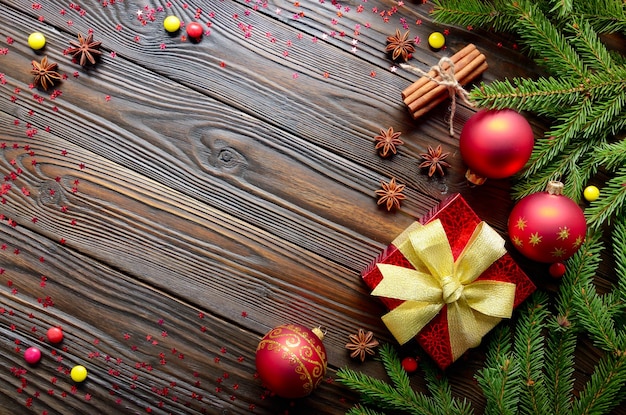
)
(473, 307)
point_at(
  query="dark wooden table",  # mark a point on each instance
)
(171, 204)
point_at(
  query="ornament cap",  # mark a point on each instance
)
(555, 187)
(474, 178)
(318, 332)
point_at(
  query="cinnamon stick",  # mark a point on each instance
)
(438, 90)
(424, 94)
(473, 75)
(429, 85)
(423, 81)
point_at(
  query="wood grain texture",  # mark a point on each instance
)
(215, 178)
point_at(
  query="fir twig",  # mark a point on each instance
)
(440, 390)
(472, 13)
(376, 393)
(559, 368)
(545, 40)
(499, 378)
(612, 203)
(602, 392)
(363, 410)
(531, 354)
(606, 16)
(619, 249)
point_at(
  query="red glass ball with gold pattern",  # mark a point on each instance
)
(495, 144)
(547, 226)
(291, 360)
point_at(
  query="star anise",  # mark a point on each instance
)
(391, 194)
(45, 73)
(400, 45)
(86, 48)
(387, 141)
(362, 344)
(434, 160)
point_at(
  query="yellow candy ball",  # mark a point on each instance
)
(591, 193)
(171, 23)
(436, 40)
(78, 373)
(36, 40)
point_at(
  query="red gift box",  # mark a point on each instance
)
(460, 223)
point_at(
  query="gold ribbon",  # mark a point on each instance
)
(473, 307)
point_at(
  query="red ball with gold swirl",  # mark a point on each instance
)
(291, 360)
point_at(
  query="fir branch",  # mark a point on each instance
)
(395, 371)
(603, 391)
(603, 114)
(543, 39)
(595, 316)
(382, 395)
(499, 378)
(363, 410)
(529, 350)
(559, 368)
(611, 204)
(379, 393)
(544, 96)
(606, 16)
(440, 390)
(588, 45)
(612, 155)
(578, 178)
(473, 13)
(581, 266)
(619, 249)
(568, 162)
(562, 7)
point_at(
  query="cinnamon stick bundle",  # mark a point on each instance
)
(424, 94)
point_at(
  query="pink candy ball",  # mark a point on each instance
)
(32, 355)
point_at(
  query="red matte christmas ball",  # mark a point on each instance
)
(495, 144)
(291, 360)
(547, 226)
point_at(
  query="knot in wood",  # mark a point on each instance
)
(50, 193)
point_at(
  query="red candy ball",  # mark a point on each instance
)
(495, 144)
(194, 30)
(291, 360)
(409, 364)
(547, 226)
(55, 335)
(557, 270)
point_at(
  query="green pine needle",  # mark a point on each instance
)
(559, 367)
(603, 392)
(612, 203)
(472, 13)
(619, 249)
(363, 410)
(529, 349)
(544, 39)
(376, 393)
(499, 378)
(606, 16)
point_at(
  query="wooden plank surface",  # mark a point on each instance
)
(179, 199)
